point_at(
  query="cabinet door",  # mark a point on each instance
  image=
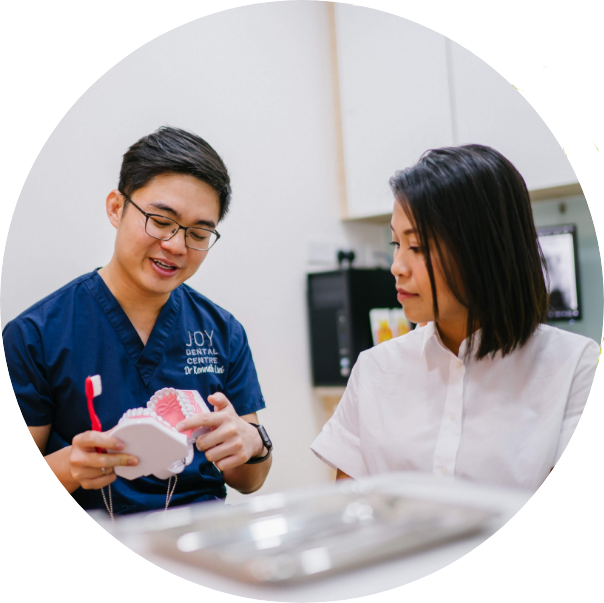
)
(394, 100)
(489, 110)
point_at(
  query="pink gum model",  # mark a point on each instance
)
(174, 405)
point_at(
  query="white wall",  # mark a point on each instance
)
(256, 83)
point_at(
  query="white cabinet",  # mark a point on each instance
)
(489, 110)
(394, 101)
(404, 89)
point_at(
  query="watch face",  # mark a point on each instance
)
(264, 436)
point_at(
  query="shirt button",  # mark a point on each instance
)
(459, 363)
(443, 470)
(452, 417)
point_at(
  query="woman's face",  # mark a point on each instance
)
(412, 279)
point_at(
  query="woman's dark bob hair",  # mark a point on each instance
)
(471, 210)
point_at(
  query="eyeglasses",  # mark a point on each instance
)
(163, 229)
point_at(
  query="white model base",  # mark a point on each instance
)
(159, 449)
(150, 434)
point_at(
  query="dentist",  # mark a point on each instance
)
(137, 324)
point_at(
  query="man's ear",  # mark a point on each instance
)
(115, 207)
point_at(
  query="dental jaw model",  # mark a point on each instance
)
(149, 433)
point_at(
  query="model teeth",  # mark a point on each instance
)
(137, 412)
(185, 405)
(145, 412)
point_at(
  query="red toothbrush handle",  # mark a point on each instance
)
(96, 424)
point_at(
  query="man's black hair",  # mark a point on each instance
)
(470, 205)
(174, 151)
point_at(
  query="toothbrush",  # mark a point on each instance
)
(93, 389)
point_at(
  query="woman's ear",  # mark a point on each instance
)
(115, 207)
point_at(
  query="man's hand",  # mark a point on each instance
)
(231, 442)
(91, 469)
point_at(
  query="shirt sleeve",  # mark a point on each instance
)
(579, 391)
(242, 385)
(25, 362)
(339, 443)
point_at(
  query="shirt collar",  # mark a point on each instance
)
(430, 332)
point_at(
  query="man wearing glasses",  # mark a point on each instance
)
(138, 325)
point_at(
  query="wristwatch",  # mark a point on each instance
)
(267, 444)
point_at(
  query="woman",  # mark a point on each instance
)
(485, 391)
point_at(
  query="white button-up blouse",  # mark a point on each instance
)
(412, 405)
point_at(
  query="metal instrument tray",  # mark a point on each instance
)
(280, 539)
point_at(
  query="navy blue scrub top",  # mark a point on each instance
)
(81, 330)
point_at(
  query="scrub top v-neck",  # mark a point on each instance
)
(82, 330)
(145, 357)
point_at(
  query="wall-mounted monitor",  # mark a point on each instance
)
(559, 246)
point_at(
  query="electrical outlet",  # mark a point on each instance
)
(320, 251)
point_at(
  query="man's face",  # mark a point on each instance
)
(158, 267)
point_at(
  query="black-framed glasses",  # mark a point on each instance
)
(163, 229)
